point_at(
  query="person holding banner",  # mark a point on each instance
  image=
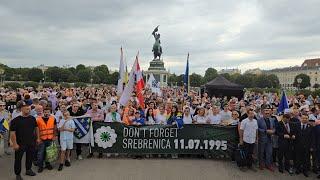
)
(138, 120)
(249, 137)
(215, 117)
(66, 128)
(187, 119)
(113, 115)
(76, 111)
(150, 117)
(201, 118)
(96, 115)
(161, 117)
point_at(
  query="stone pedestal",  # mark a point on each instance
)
(159, 72)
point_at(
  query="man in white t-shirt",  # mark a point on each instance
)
(215, 117)
(249, 136)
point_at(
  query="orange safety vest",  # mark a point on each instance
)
(46, 131)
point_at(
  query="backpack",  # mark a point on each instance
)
(240, 156)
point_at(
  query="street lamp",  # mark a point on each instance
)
(1, 74)
(299, 81)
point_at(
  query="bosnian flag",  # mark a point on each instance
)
(139, 84)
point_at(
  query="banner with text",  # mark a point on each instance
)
(217, 141)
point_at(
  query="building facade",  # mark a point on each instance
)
(286, 76)
(229, 71)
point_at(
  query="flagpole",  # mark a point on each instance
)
(188, 75)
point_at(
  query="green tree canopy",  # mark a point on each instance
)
(209, 75)
(35, 74)
(195, 80)
(305, 81)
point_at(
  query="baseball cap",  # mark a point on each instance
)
(23, 103)
(266, 106)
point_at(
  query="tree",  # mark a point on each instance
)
(247, 80)
(180, 80)
(172, 79)
(13, 85)
(84, 75)
(233, 77)
(22, 74)
(102, 68)
(113, 78)
(195, 80)
(80, 67)
(305, 81)
(34, 85)
(64, 75)
(227, 76)
(35, 74)
(261, 81)
(53, 74)
(101, 74)
(274, 81)
(72, 78)
(209, 75)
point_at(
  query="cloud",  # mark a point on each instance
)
(231, 33)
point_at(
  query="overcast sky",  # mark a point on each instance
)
(230, 33)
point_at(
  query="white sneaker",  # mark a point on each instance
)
(108, 155)
(80, 157)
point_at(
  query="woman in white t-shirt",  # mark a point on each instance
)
(161, 117)
(201, 118)
(215, 117)
(150, 120)
(187, 119)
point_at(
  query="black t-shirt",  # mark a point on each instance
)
(80, 112)
(25, 129)
(10, 106)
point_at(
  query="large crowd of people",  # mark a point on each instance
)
(37, 117)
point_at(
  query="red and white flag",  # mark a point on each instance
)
(139, 85)
(135, 82)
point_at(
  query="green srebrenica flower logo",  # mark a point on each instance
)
(105, 137)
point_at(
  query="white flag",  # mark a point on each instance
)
(127, 92)
(154, 85)
(121, 75)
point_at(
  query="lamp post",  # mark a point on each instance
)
(1, 74)
(299, 81)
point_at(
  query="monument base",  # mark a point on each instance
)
(159, 72)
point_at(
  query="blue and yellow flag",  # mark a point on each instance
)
(4, 125)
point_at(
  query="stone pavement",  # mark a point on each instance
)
(146, 169)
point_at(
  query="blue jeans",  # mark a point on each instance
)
(265, 153)
(42, 152)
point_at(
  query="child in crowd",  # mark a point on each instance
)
(138, 120)
(66, 127)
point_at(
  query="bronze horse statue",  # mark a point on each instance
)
(157, 49)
